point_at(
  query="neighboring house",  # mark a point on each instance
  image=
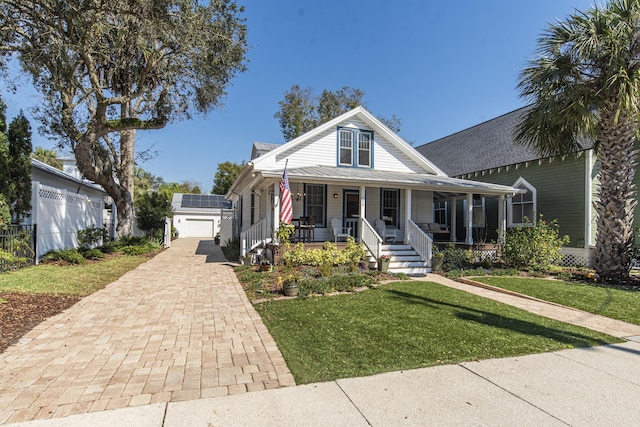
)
(61, 205)
(198, 215)
(356, 169)
(558, 187)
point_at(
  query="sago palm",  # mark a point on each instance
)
(585, 83)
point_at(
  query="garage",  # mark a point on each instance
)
(197, 215)
(200, 227)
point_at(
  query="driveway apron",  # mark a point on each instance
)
(178, 327)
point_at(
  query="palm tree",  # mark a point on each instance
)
(585, 83)
(49, 157)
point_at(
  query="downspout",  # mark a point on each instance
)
(588, 197)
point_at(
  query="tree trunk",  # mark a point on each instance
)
(113, 172)
(616, 198)
(126, 170)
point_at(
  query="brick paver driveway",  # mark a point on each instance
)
(178, 327)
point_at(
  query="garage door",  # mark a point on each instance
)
(199, 228)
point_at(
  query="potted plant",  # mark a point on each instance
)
(246, 260)
(216, 239)
(290, 283)
(383, 263)
(364, 263)
(437, 259)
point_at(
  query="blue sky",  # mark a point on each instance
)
(440, 68)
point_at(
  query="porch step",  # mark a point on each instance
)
(405, 260)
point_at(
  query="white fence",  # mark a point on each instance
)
(60, 214)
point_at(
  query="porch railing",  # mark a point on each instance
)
(253, 237)
(371, 239)
(419, 241)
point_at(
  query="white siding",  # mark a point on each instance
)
(322, 151)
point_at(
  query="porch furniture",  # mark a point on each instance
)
(434, 228)
(338, 231)
(307, 228)
(384, 232)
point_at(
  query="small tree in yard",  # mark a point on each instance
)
(536, 247)
(151, 210)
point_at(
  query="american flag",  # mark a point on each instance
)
(286, 207)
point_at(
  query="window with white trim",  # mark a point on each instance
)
(390, 206)
(440, 213)
(355, 148)
(522, 206)
(316, 203)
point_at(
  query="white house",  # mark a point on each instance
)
(198, 215)
(61, 205)
(355, 169)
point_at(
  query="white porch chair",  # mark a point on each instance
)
(338, 231)
(384, 232)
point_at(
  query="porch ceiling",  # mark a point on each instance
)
(387, 178)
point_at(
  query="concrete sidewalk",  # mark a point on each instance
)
(580, 387)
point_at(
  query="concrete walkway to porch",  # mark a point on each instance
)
(178, 327)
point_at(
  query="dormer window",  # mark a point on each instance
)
(355, 148)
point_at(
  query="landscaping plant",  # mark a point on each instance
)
(535, 248)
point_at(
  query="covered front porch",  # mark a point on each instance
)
(386, 215)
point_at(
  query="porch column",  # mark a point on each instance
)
(469, 239)
(276, 206)
(502, 218)
(407, 212)
(454, 219)
(363, 211)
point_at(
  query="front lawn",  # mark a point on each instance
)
(621, 304)
(406, 325)
(80, 280)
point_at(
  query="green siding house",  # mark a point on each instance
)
(559, 187)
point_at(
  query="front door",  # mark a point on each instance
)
(351, 210)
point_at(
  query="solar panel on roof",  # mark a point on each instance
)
(204, 201)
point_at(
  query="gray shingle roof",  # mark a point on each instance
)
(260, 148)
(485, 146)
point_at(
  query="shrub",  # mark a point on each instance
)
(231, 249)
(535, 248)
(92, 254)
(9, 261)
(71, 256)
(91, 236)
(326, 257)
(456, 258)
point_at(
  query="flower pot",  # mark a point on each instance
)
(246, 260)
(266, 267)
(364, 265)
(383, 264)
(291, 289)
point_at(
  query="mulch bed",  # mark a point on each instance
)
(19, 313)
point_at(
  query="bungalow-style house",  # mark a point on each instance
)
(353, 176)
(558, 187)
(61, 205)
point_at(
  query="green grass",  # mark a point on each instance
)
(79, 280)
(407, 325)
(618, 304)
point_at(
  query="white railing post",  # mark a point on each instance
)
(370, 238)
(419, 241)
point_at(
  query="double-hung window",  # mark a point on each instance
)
(440, 213)
(355, 148)
(316, 203)
(390, 206)
(522, 206)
